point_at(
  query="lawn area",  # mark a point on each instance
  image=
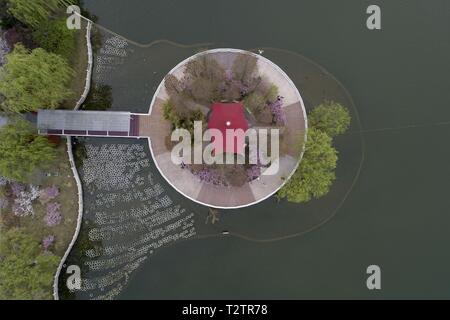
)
(38, 216)
(61, 176)
(79, 63)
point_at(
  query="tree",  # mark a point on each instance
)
(315, 175)
(185, 120)
(255, 103)
(244, 68)
(202, 80)
(204, 91)
(22, 151)
(55, 37)
(26, 272)
(330, 117)
(35, 12)
(6, 18)
(33, 80)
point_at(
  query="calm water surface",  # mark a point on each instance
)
(397, 215)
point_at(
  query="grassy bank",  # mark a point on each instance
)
(79, 63)
(35, 228)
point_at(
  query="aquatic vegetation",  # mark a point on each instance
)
(125, 219)
(111, 54)
(118, 164)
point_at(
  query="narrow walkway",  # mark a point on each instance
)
(88, 123)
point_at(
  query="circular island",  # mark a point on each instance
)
(257, 118)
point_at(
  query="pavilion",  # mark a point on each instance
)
(229, 117)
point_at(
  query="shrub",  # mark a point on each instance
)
(25, 272)
(23, 151)
(99, 98)
(330, 117)
(170, 114)
(35, 12)
(32, 80)
(4, 202)
(55, 37)
(272, 94)
(23, 203)
(255, 103)
(277, 111)
(315, 175)
(48, 241)
(48, 194)
(181, 121)
(53, 216)
(244, 69)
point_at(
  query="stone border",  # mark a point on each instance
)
(276, 67)
(72, 163)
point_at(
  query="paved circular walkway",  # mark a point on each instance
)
(227, 197)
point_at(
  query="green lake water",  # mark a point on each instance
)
(393, 171)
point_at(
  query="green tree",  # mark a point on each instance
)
(315, 175)
(25, 271)
(185, 121)
(33, 80)
(35, 12)
(271, 94)
(171, 115)
(255, 103)
(330, 117)
(54, 36)
(22, 151)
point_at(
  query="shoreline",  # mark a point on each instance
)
(73, 166)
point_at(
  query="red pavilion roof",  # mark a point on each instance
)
(229, 116)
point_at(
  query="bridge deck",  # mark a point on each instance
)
(88, 123)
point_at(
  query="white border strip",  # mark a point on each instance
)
(282, 73)
(72, 163)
